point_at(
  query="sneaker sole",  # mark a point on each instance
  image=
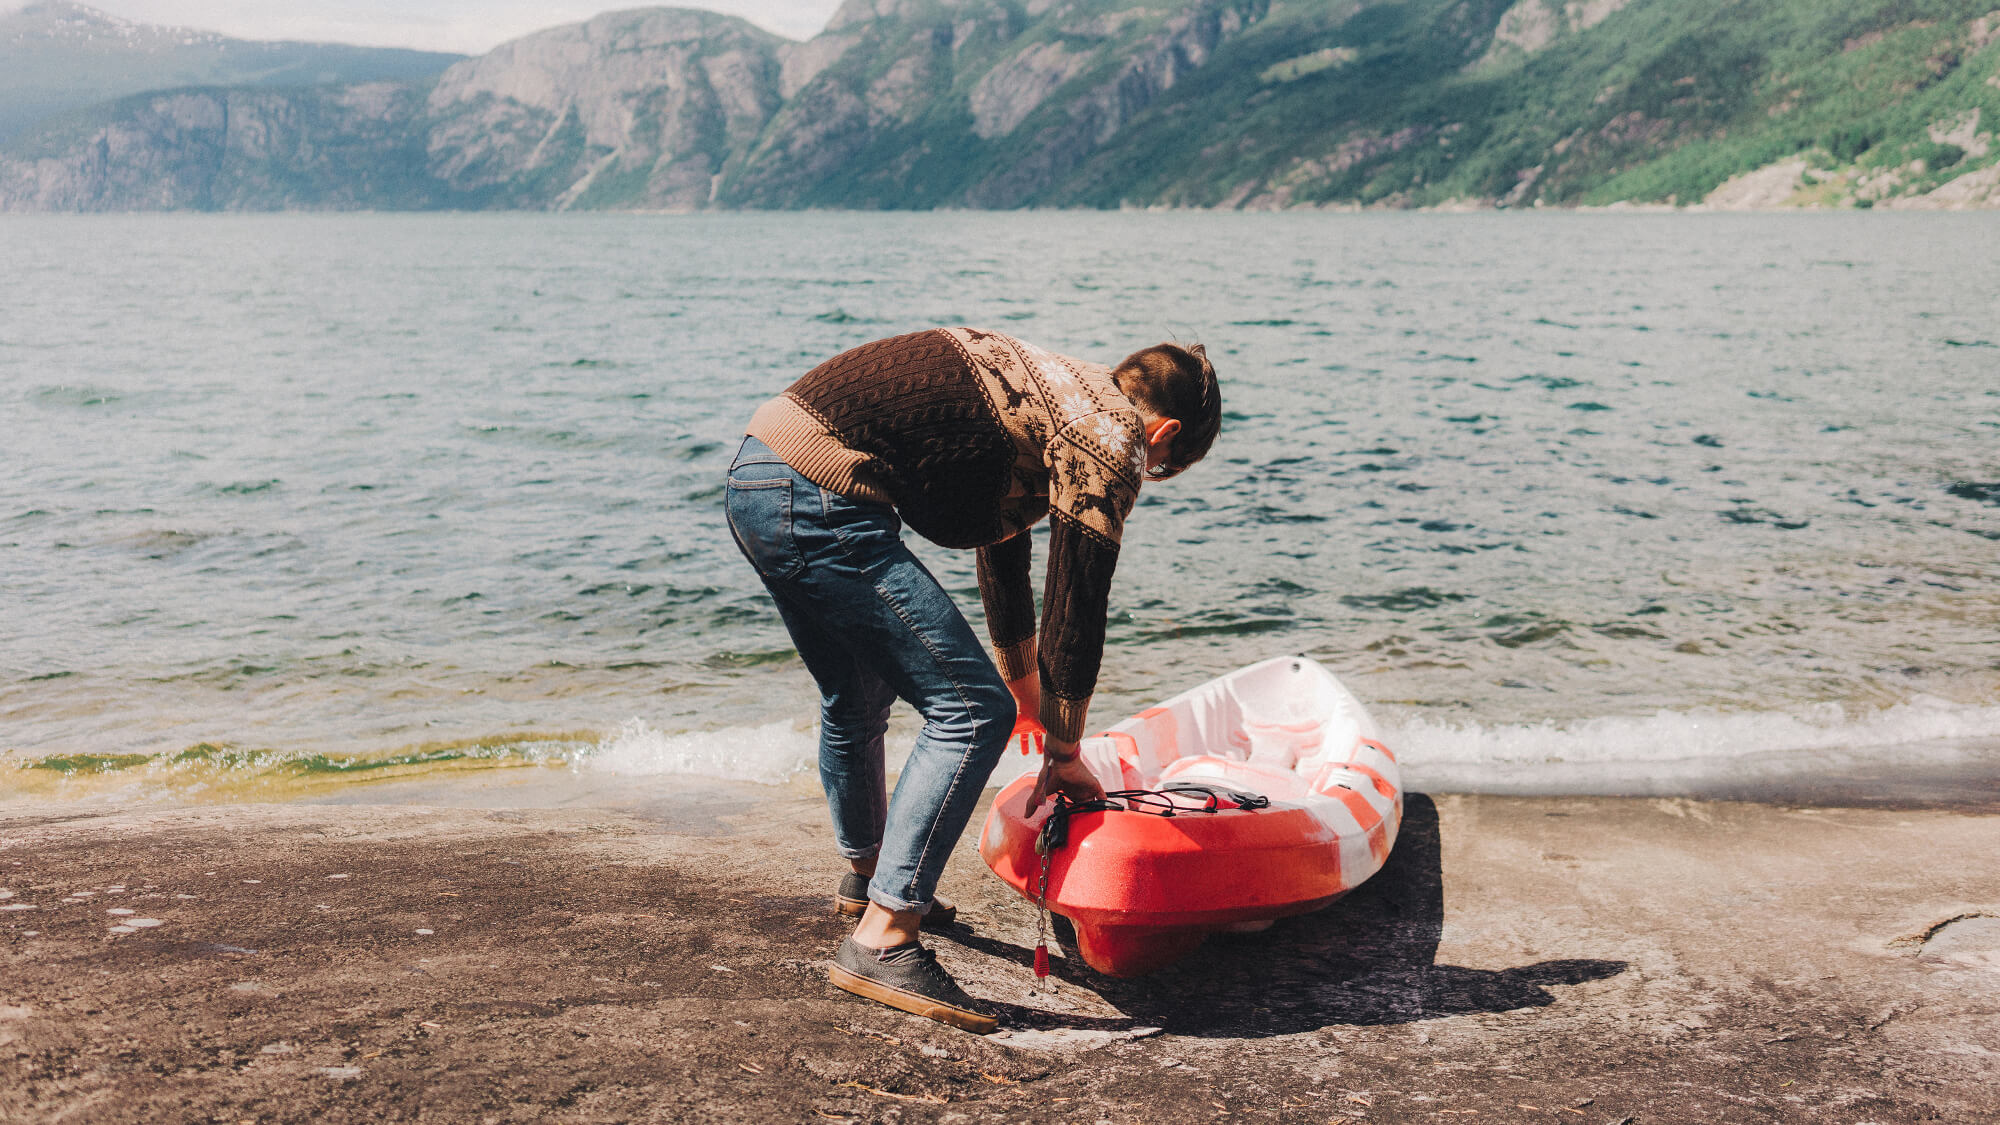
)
(912, 1003)
(856, 907)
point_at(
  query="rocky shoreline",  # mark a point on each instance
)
(1577, 959)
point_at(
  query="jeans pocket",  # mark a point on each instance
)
(863, 529)
(760, 517)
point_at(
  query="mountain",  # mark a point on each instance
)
(978, 103)
(1255, 104)
(57, 56)
(631, 109)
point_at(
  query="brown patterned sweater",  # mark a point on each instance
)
(974, 437)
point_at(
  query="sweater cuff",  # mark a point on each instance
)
(1064, 717)
(1016, 660)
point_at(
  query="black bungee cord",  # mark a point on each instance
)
(1152, 802)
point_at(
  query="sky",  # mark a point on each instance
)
(466, 26)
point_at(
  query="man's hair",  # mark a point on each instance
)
(1170, 381)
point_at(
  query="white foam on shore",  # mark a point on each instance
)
(1557, 757)
(1605, 754)
(771, 754)
(1689, 735)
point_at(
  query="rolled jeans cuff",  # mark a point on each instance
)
(896, 905)
(860, 853)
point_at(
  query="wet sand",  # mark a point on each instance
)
(1587, 960)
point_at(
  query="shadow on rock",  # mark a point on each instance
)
(1369, 959)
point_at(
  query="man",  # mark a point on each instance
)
(970, 438)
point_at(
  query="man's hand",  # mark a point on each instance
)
(1071, 778)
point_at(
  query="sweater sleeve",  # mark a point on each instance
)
(1008, 591)
(1094, 466)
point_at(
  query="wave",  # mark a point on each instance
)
(771, 754)
(220, 772)
(1925, 748)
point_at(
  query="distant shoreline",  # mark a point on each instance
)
(1208, 102)
(1301, 209)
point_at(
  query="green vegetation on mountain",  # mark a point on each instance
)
(1860, 90)
(1108, 103)
(1662, 101)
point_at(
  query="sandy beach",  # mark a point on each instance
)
(1588, 960)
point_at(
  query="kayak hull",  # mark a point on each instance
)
(1144, 890)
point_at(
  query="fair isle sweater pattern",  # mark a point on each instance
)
(975, 437)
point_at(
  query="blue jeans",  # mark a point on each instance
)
(873, 626)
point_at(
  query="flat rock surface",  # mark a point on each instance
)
(1587, 960)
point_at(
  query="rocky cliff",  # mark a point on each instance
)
(632, 109)
(974, 103)
(336, 148)
(1101, 103)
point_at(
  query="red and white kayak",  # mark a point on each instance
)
(1144, 890)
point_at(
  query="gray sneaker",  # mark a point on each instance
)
(908, 977)
(852, 899)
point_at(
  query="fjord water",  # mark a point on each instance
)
(1611, 503)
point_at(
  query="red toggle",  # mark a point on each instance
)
(1041, 961)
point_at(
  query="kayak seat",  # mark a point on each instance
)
(1262, 778)
(1282, 745)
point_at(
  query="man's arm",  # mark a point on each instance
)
(1076, 597)
(1008, 591)
(1094, 466)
